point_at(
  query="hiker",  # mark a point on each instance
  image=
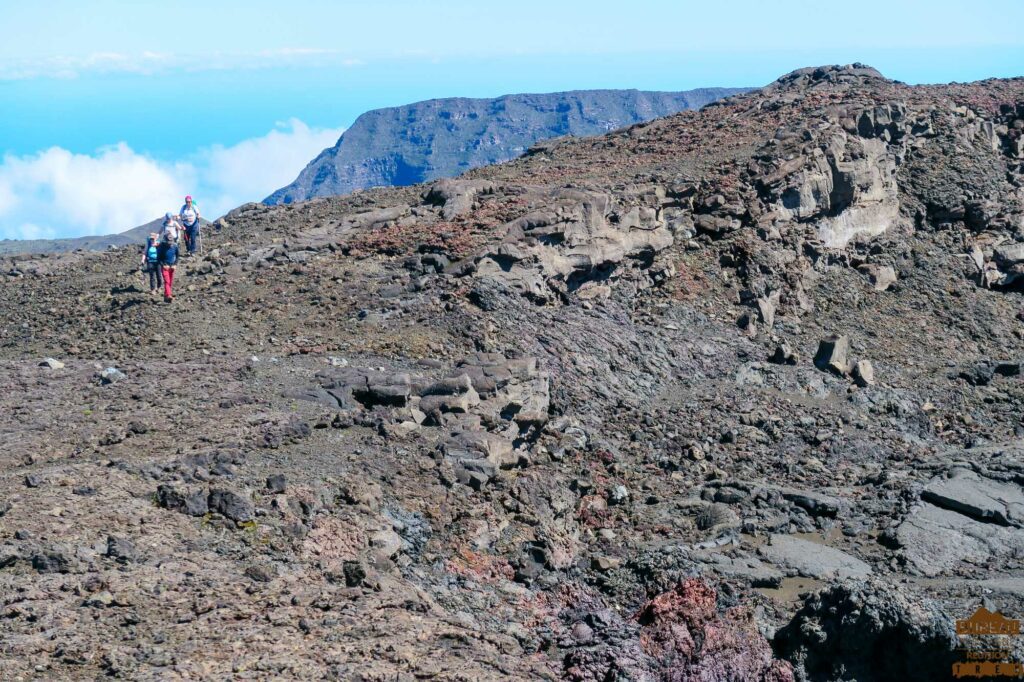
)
(151, 263)
(190, 221)
(171, 230)
(167, 254)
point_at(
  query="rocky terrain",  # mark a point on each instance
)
(735, 394)
(442, 138)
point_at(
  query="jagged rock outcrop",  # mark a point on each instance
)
(846, 189)
(579, 238)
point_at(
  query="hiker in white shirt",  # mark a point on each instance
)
(170, 230)
(190, 221)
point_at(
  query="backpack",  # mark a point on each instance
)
(168, 254)
(152, 253)
(170, 232)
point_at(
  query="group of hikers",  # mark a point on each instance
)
(161, 254)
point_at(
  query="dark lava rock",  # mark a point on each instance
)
(51, 561)
(868, 631)
(121, 549)
(276, 484)
(232, 505)
(784, 355)
(355, 573)
(191, 502)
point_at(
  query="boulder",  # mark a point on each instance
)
(834, 355)
(111, 375)
(462, 403)
(121, 549)
(882, 277)
(766, 307)
(456, 196)
(527, 402)
(478, 456)
(455, 385)
(815, 503)
(864, 373)
(391, 390)
(715, 515)
(53, 560)
(388, 542)
(276, 484)
(231, 505)
(187, 501)
(784, 355)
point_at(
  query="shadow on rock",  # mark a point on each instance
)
(867, 631)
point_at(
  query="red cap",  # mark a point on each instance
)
(188, 198)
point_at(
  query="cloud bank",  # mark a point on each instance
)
(152, 63)
(56, 193)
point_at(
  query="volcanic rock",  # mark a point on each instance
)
(833, 354)
(546, 419)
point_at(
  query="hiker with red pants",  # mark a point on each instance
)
(167, 253)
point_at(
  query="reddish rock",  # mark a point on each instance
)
(684, 632)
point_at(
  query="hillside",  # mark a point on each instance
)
(443, 138)
(735, 394)
(133, 237)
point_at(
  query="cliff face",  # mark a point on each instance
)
(446, 137)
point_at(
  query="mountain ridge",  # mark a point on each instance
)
(445, 137)
(136, 235)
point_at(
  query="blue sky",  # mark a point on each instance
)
(109, 107)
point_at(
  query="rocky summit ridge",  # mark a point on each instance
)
(442, 138)
(708, 398)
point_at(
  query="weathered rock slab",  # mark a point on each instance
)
(813, 560)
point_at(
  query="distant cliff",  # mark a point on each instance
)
(446, 137)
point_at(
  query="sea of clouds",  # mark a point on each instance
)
(56, 193)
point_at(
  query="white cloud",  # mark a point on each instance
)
(56, 193)
(252, 169)
(66, 66)
(7, 197)
(150, 63)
